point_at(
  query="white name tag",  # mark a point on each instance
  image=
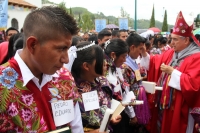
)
(63, 112)
(90, 100)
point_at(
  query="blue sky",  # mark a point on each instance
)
(144, 7)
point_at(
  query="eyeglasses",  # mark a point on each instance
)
(176, 39)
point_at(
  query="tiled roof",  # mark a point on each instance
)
(21, 3)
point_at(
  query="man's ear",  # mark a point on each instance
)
(99, 41)
(131, 47)
(85, 66)
(31, 44)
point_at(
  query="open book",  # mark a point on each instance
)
(116, 109)
(151, 87)
(61, 130)
(132, 103)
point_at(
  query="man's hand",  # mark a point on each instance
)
(166, 69)
(197, 127)
(116, 120)
(143, 51)
(133, 120)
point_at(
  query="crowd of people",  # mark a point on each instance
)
(48, 62)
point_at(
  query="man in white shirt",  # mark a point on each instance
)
(35, 80)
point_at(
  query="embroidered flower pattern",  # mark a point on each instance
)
(86, 87)
(12, 111)
(177, 29)
(19, 111)
(27, 99)
(183, 31)
(94, 117)
(8, 77)
(26, 114)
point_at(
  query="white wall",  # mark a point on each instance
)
(37, 3)
(19, 15)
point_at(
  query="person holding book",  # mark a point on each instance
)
(177, 71)
(95, 91)
(34, 80)
(131, 75)
(115, 55)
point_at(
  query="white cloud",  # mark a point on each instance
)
(144, 7)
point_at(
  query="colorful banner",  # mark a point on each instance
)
(123, 23)
(3, 13)
(100, 24)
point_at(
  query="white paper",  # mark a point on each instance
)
(158, 88)
(117, 107)
(90, 100)
(114, 104)
(136, 102)
(149, 86)
(105, 120)
(63, 112)
(128, 97)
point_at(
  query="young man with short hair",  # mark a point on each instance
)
(33, 85)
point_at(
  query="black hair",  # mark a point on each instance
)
(147, 44)
(122, 30)
(11, 28)
(88, 55)
(75, 40)
(106, 29)
(135, 39)
(93, 38)
(197, 37)
(103, 33)
(162, 40)
(15, 43)
(115, 33)
(49, 23)
(116, 45)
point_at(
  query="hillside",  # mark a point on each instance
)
(141, 23)
(80, 11)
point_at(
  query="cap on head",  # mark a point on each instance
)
(182, 28)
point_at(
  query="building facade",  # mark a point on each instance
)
(18, 10)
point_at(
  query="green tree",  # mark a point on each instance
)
(70, 11)
(86, 23)
(108, 22)
(152, 21)
(124, 14)
(63, 6)
(79, 20)
(165, 25)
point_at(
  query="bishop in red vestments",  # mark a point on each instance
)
(177, 71)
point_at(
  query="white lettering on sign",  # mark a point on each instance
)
(90, 100)
(63, 112)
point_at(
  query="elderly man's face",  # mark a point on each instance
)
(179, 43)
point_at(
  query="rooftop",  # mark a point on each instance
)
(21, 3)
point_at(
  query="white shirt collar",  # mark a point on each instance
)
(27, 75)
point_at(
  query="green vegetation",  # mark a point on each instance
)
(152, 23)
(165, 25)
(86, 19)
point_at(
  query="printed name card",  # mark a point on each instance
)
(63, 112)
(90, 100)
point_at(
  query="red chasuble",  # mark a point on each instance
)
(175, 119)
(26, 108)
